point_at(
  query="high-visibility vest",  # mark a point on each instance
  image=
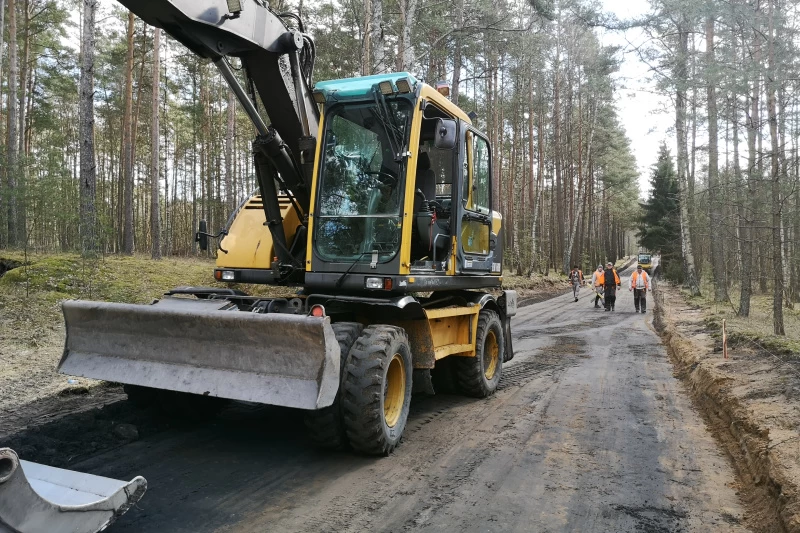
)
(601, 279)
(645, 277)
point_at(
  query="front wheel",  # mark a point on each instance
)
(479, 376)
(377, 389)
(326, 426)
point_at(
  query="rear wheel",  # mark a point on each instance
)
(377, 389)
(479, 376)
(326, 426)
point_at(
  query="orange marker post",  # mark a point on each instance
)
(724, 341)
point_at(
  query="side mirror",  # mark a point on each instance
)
(445, 134)
(201, 236)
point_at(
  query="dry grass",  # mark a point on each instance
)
(31, 324)
(536, 281)
(756, 329)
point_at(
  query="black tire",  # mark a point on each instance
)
(479, 376)
(443, 377)
(326, 426)
(141, 397)
(377, 390)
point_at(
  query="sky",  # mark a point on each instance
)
(641, 109)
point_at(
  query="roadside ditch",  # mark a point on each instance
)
(751, 404)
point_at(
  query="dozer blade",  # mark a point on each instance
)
(36, 498)
(195, 346)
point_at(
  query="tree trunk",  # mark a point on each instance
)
(88, 181)
(408, 17)
(455, 85)
(127, 146)
(2, 29)
(155, 220)
(753, 179)
(366, 58)
(717, 251)
(11, 129)
(229, 164)
(775, 175)
(377, 38)
(22, 168)
(681, 82)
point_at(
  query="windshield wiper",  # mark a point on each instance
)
(373, 264)
(390, 126)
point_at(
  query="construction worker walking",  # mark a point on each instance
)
(610, 283)
(640, 282)
(597, 285)
(576, 278)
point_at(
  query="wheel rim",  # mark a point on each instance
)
(491, 355)
(394, 393)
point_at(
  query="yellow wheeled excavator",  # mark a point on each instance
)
(375, 196)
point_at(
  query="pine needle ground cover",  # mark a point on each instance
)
(753, 332)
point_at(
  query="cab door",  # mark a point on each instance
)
(476, 242)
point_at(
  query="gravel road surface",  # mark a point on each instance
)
(589, 431)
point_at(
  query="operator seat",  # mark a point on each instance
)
(429, 228)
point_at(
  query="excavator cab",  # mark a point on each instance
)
(401, 196)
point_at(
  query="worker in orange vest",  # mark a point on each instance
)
(640, 282)
(610, 281)
(597, 284)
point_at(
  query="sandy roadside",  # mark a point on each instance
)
(751, 402)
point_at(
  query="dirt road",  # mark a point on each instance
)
(589, 432)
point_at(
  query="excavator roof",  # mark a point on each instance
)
(362, 87)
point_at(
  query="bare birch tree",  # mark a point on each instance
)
(715, 218)
(681, 82)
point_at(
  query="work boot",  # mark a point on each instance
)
(637, 309)
(576, 298)
(643, 311)
(596, 306)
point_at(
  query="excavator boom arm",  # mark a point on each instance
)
(277, 62)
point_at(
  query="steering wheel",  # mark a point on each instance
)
(384, 177)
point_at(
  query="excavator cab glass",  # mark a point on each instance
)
(361, 181)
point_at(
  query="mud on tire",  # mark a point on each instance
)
(479, 376)
(377, 389)
(325, 426)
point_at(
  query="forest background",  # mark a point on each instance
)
(116, 139)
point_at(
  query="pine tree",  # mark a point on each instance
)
(660, 231)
